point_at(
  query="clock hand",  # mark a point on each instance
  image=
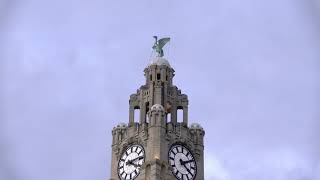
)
(133, 160)
(184, 165)
(185, 162)
(136, 165)
(137, 158)
(181, 161)
(133, 164)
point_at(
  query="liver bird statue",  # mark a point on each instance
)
(159, 44)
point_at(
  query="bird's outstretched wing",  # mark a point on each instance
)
(163, 41)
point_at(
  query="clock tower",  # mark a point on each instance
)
(158, 145)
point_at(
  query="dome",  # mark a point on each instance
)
(195, 126)
(157, 107)
(160, 61)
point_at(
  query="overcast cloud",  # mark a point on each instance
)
(251, 70)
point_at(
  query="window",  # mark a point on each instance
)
(136, 114)
(169, 117)
(150, 77)
(158, 76)
(180, 114)
(147, 110)
(147, 107)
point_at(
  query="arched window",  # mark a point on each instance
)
(179, 114)
(148, 169)
(136, 113)
(147, 106)
(163, 171)
(168, 117)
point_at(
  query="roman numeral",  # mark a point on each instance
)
(177, 172)
(185, 176)
(177, 149)
(132, 175)
(174, 153)
(139, 151)
(187, 153)
(188, 170)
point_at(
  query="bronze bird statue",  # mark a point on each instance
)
(159, 44)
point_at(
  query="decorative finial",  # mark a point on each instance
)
(159, 44)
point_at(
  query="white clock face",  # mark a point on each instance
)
(182, 162)
(130, 162)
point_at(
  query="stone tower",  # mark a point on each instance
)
(157, 146)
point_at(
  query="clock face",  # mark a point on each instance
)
(130, 162)
(183, 164)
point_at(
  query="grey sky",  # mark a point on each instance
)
(250, 68)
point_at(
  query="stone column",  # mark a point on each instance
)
(185, 115)
(157, 94)
(131, 115)
(114, 171)
(143, 114)
(142, 109)
(156, 157)
(174, 114)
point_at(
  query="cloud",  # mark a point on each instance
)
(275, 164)
(214, 169)
(249, 68)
